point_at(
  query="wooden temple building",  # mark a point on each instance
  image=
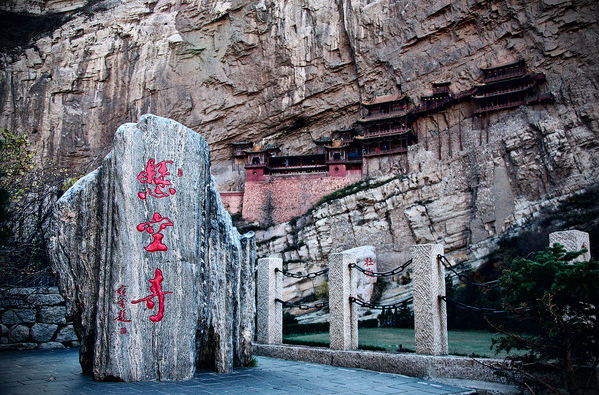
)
(508, 86)
(387, 126)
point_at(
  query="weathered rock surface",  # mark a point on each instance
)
(111, 235)
(52, 314)
(288, 71)
(19, 333)
(66, 334)
(43, 332)
(295, 70)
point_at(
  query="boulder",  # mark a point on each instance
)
(156, 277)
(43, 332)
(40, 299)
(18, 316)
(18, 346)
(52, 315)
(18, 333)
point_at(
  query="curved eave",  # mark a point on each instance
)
(501, 81)
(503, 66)
(383, 99)
(255, 152)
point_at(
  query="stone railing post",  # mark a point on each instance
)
(269, 312)
(343, 327)
(572, 240)
(430, 312)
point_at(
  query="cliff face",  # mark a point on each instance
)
(288, 71)
(295, 70)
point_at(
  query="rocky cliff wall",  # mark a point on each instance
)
(288, 71)
(467, 202)
(291, 71)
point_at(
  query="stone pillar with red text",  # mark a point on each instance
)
(171, 269)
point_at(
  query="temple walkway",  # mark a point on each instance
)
(58, 372)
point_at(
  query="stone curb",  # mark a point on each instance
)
(423, 366)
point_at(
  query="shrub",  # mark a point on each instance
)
(561, 298)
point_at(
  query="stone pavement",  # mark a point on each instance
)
(58, 372)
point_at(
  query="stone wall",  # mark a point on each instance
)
(233, 201)
(281, 198)
(33, 318)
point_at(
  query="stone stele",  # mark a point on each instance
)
(156, 277)
(366, 259)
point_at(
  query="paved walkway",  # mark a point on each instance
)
(58, 372)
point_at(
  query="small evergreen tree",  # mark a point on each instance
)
(562, 298)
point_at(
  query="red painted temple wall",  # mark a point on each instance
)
(280, 198)
(232, 201)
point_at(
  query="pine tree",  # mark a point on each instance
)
(562, 298)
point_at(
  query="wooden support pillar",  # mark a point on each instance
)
(460, 131)
(488, 121)
(439, 140)
(449, 141)
(480, 130)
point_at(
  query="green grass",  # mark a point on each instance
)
(468, 343)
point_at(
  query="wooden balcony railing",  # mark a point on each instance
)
(498, 107)
(392, 132)
(503, 91)
(397, 150)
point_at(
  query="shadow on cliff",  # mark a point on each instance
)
(17, 29)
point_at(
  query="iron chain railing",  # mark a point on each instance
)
(301, 306)
(373, 306)
(370, 273)
(465, 279)
(481, 310)
(299, 275)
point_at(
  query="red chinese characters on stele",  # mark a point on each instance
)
(156, 173)
(157, 236)
(368, 263)
(156, 289)
(122, 300)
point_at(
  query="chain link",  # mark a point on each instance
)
(465, 279)
(370, 273)
(301, 306)
(299, 275)
(481, 310)
(373, 306)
